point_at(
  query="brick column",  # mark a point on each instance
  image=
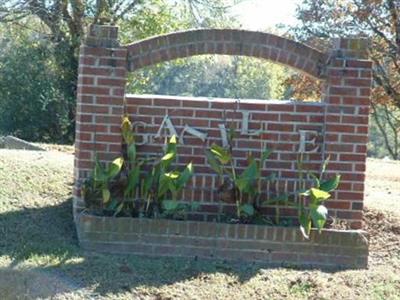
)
(101, 89)
(348, 89)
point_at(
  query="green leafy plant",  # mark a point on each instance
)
(178, 210)
(160, 187)
(311, 208)
(281, 200)
(244, 188)
(130, 171)
(163, 184)
(98, 184)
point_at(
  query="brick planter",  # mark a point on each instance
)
(254, 243)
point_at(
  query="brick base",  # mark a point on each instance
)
(269, 245)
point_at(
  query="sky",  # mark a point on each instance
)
(263, 14)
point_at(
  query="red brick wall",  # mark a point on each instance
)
(268, 245)
(341, 119)
(279, 122)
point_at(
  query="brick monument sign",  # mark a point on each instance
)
(336, 127)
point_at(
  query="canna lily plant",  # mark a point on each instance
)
(315, 213)
(130, 170)
(99, 183)
(246, 186)
(163, 184)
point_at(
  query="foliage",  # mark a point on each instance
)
(33, 104)
(282, 200)
(244, 188)
(98, 185)
(385, 118)
(39, 78)
(212, 76)
(121, 184)
(377, 20)
(178, 210)
(130, 174)
(311, 209)
(162, 186)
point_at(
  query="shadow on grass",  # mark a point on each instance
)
(46, 238)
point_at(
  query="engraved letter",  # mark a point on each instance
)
(193, 132)
(168, 124)
(224, 136)
(308, 137)
(245, 125)
(145, 137)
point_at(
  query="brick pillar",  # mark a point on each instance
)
(347, 98)
(101, 89)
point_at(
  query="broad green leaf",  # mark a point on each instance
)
(115, 167)
(281, 199)
(304, 192)
(330, 184)
(305, 224)
(185, 176)
(99, 173)
(169, 156)
(319, 215)
(247, 209)
(119, 209)
(147, 184)
(248, 177)
(173, 139)
(173, 189)
(170, 205)
(318, 195)
(213, 163)
(267, 152)
(113, 204)
(221, 154)
(133, 182)
(172, 175)
(164, 185)
(132, 153)
(315, 178)
(106, 195)
(171, 145)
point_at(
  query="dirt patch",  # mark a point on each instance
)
(384, 231)
(70, 149)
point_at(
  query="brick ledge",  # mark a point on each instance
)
(269, 245)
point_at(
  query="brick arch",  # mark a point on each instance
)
(227, 42)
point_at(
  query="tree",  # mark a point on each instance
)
(213, 76)
(66, 21)
(378, 20)
(62, 24)
(32, 104)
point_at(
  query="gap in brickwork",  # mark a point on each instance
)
(222, 76)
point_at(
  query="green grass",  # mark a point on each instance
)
(40, 257)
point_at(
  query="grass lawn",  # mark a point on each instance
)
(40, 257)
